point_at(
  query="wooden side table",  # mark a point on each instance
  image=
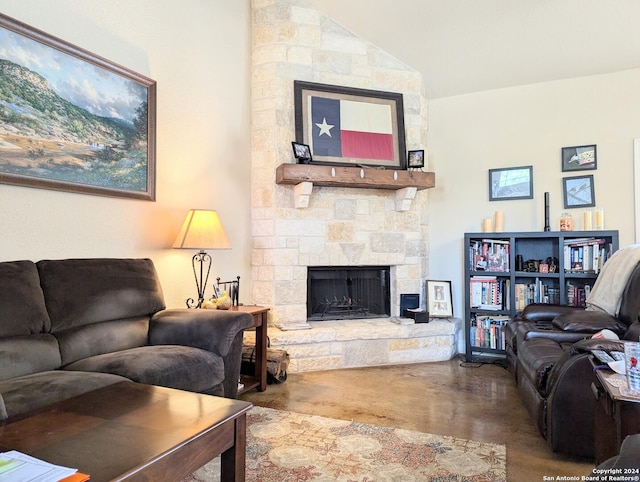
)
(615, 415)
(259, 378)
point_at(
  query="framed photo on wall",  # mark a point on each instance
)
(578, 192)
(349, 126)
(439, 299)
(511, 183)
(74, 121)
(579, 158)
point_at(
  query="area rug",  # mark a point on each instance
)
(286, 447)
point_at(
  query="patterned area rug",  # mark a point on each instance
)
(285, 446)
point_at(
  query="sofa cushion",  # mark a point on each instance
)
(105, 337)
(588, 322)
(83, 291)
(22, 307)
(170, 366)
(23, 394)
(23, 355)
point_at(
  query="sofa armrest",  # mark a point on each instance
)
(211, 330)
(3, 409)
(541, 312)
(633, 332)
(588, 322)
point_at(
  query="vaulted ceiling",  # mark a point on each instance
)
(464, 46)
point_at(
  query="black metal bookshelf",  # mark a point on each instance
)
(553, 267)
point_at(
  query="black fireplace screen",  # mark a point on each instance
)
(346, 292)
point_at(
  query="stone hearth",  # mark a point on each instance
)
(330, 345)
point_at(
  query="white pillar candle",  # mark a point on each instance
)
(586, 223)
(486, 225)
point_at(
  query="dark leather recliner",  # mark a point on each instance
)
(548, 351)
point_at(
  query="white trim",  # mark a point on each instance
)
(636, 186)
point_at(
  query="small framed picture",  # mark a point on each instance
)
(511, 183)
(302, 153)
(578, 192)
(439, 299)
(415, 159)
(579, 158)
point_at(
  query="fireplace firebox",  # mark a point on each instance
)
(347, 292)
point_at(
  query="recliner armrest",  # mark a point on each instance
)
(539, 312)
(588, 322)
(3, 408)
(211, 330)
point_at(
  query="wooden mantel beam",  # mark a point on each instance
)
(347, 176)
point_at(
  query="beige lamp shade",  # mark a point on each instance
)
(202, 230)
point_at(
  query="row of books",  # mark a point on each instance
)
(577, 294)
(586, 255)
(489, 292)
(489, 255)
(488, 331)
(536, 292)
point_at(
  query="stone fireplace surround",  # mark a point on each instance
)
(338, 226)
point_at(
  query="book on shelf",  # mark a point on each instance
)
(586, 255)
(487, 331)
(577, 293)
(489, 292)
(489, 255)
(535, 292)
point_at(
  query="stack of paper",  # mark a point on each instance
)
(18, 467)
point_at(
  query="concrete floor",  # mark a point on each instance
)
(473, 402)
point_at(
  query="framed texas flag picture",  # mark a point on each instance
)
(348, 126)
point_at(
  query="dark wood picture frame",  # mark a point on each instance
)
(578, 192)
(511, 183)
(580, 158)
(338, 140)
(439, 301)
(58, 138)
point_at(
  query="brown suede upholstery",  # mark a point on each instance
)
(548, 351)
(70, 326)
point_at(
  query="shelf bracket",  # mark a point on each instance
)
(302, 194)
(404, 197)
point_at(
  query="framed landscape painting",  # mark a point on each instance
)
(71, 120)
(348, 126)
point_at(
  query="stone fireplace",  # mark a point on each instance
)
(335, 226)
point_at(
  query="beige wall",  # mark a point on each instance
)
(528, 125)
(198, 52)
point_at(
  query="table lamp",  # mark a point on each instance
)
(201, 230)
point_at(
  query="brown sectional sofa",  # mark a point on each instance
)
(71, 326)
(548, 352)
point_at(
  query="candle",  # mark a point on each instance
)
(486, 225)
(599, 218)
(586, 224)
(498, 221)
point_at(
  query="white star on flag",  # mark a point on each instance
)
(324, 127)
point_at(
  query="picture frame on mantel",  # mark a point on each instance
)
(345, 126)
(75, 121)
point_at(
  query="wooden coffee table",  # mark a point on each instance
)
(131, 431)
